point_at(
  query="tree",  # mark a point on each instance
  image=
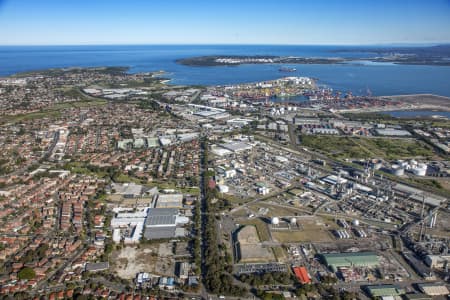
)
(21, 295)
(26, 273)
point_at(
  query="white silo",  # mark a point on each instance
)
(355, 222)
(275, 221)
(293, 221)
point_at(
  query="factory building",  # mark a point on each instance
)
(302, 275)
(333, 180)
(237, 147)
(161, 223)
(329, 131)
(134, 222)
(153, 223)
(359, 259)
(434, 289)
(183, 270)
(127, 190)
(384, 290)
(437, 261)
(417, 297)
(393, 132)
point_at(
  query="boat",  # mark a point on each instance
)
(287, 69)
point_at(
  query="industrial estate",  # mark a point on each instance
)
(122, 186)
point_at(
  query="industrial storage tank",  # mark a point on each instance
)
(397, 170)
(402, 163)
(420, 170)
(355, 222)
(293, 221)
(275, 221)
(376, 164)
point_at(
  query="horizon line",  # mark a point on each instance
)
(412, 44)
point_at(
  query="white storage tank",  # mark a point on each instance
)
(275, 221)
(376, 164)
(397, 170)
(402, 163)
(223, 188)
(420, 170)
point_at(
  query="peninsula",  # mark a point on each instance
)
(234, 60)
(435, 56)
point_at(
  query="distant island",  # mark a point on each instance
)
(434, 55)
(234, 60)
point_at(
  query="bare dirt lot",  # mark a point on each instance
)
(312, 229)
(130, 260)
(422, 99)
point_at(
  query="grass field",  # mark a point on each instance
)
(276, 211)
(312, 229)
(279, 253)
(81, 168)
(52, 111)
(30, 116)
(172, 185)
(306, 235)
(364, 148)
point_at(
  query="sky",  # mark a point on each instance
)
(314, 22)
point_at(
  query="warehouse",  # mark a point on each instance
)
(359, 259)
(392, 132)
(384, 290)
(434, 289)
(127, 190)
(417, 297)
(161, 223)
(130, 222)
(437, 261)
(302, 275)
(161, 217)
(333, 180)
(237, 146)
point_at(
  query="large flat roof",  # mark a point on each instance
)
(349, 254)
(162, 211)
(385, 290)
(159, 233)
(236, 146)
(418, 195)
(345, 259)
(160, 221)
(160, 217)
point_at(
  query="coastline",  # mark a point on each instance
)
(237, 60)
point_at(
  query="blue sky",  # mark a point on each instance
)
(60, 22)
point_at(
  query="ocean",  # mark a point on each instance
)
(380, 78)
